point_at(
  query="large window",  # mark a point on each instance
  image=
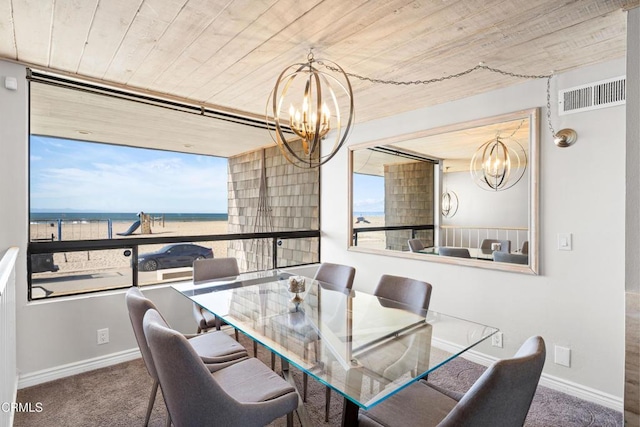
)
(83, 190)
(125, 192)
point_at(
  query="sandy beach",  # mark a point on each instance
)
(373, 239)
(95, 261)
(103, 269)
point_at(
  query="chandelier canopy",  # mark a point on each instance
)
(309, 105)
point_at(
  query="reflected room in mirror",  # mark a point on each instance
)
(464, 194)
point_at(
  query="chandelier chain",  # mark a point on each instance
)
(514, 132)
(480, 66)
(439, 79)
(553, 132)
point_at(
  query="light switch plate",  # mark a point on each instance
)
(562, 356)
(565, 242)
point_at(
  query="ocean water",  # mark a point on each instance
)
(122, 216)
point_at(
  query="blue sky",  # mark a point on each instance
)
(67, 174)
(368, 193)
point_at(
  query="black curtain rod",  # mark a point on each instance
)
(38, 77)
(407, 155)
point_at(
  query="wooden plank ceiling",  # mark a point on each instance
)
(227, 54)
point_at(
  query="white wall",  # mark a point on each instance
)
(578, 299)
(478, 207)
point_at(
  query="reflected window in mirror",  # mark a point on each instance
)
(393, 199)
(401, 193)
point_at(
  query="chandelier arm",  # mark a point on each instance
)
(318, 113)
(348, 127)
(349, 92)
(506, 168)
(336, 106)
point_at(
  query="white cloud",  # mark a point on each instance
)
(167, 184)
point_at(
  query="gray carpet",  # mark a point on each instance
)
(118, 396)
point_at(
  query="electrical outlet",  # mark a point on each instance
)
(103, 336)
(496, 339)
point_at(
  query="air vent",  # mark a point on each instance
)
(592, 96)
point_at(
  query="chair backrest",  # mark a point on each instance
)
(415, 245)
(502, 396)
(512, 258)
(138, 305)
(525, 247)
(413, 293)
(340, 277)
(190, 393)
(505, 245)
(214, 268)
(457, 252)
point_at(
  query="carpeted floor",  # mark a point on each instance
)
(118, 396)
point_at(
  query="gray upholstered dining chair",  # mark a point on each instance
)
(411, 293)
(216, 349)
(336, 277)
(457, 252)
(501, 397)
(247, 393)
(512, 258)
(485, 245)
(415, 245)
(209, 269)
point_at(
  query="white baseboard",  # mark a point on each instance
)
(565, 386)
(546, 380)
(582, 392)
(55, 373)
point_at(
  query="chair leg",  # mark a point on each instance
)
(273, 361)
(305, 382)
(305, 377)
(236, 332)
(327, 403)
(152, 399)
(290, 419)
(255, 349)
(199, 330)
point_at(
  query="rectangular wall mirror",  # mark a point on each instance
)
(463, 194)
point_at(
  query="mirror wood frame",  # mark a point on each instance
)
(533, 114)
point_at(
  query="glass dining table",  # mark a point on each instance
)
(364, 347)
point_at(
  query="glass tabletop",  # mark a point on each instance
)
(364, 347)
